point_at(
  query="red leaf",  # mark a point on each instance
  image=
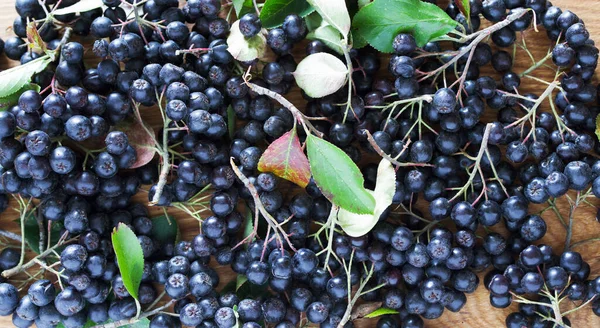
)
(142, 142)
(465, 8)
(286, 159)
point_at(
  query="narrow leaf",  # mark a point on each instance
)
(248, 224)
(142, 142)
(240, 281)
(245, 49)
(130, 258)
(231, 121)
(32, 233)
(274, 12)
(164, 229)
(11, 100)
(14, 79)
(34, 38)
(320, 74)
(284, 158)
(338, 177)
(465, 7)
(380, 21)
(598, 127)
(79, 7)
(330, 36)
(381, 311)
(242, 7)
(356, 225)
(333, 12)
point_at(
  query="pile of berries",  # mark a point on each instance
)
(70, 148)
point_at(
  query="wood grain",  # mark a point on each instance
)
(477, 312)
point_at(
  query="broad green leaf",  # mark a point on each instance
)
(285, 158)
(330, 36)
(321, 74)
(338, 177)
(79, 7)
(14, 79)
(313, 21)
(11, 100)
(164, 229)
(245, 49)
(32, 233)
(381, 311)
(130, 258)
(240, 281)
(274, 12)
(465, 7)
(141, 141)
(362, 3)
(231, 121)
(380, 21)
(333, 12)
(242, 7)
(356, 225)
(358, 41)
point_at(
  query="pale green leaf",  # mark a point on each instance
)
(330, 36)
(79, 7)
(242, 7)
(380, 21)
(14, 79)
(321, 74)
(245, 49)
(334, 12)
(130, 258)
(313, 21)
(338, 177)
(356, 225)
(381, 311)
(274, 12)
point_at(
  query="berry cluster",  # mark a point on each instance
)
(428, 120)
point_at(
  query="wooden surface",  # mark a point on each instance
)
(478, 312)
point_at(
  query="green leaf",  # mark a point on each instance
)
(598, 127)
(164, 229)
(11, 100)
(242, 7)
(285, 158)
(142, 323)
(358, 41)
(313, 21)
(88, 324)
(32, 233)
(362, 3)
(465, 8)
(14, 79)
(274, 12)
(231, 121)
(130, 258)
(333, 12)
(380, 21)
(248, 224)
(338, 177)
(79, 7)
(245, 49)
(381, 311)
(356, 225)
(330, 36)
(321, 74)
(240, 281)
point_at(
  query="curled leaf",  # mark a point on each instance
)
(245, 49)
(330, 36)
(335, 13)
(356, 225)
(34, 38)
(130, 258)
(79, 7)
(338, 177)
(285, 158)
(321, 74)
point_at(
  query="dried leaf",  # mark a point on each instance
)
(465, 7)
(142, 142)
(285, 158)
(34, 38)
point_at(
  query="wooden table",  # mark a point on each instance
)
(478, 312)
